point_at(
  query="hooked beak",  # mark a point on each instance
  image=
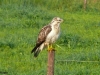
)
(61, 20)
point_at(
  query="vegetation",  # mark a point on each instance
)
(20, 22)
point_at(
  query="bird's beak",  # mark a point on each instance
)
(61, 20)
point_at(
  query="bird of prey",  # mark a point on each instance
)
(47, 36)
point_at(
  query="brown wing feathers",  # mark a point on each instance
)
(42, 36)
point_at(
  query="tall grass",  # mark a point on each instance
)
(20, 22)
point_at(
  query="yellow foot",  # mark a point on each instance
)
(50, 48)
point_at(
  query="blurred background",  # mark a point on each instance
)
(77, 49)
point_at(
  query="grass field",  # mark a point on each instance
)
(20, 22)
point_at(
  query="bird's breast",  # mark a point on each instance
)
(53, 35)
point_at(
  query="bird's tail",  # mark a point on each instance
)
(36, 51)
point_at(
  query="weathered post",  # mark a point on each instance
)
(51, 59)
(85, 4)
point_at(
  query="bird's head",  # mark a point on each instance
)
(57, 20)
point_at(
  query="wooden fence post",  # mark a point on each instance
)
(51, 59)
(85, 4)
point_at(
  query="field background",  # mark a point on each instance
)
(20, 22)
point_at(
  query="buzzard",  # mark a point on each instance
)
(47, 36)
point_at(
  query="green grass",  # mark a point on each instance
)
(20, 23)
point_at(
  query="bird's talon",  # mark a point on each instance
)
(51, 49)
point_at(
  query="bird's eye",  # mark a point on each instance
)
(59, 20)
